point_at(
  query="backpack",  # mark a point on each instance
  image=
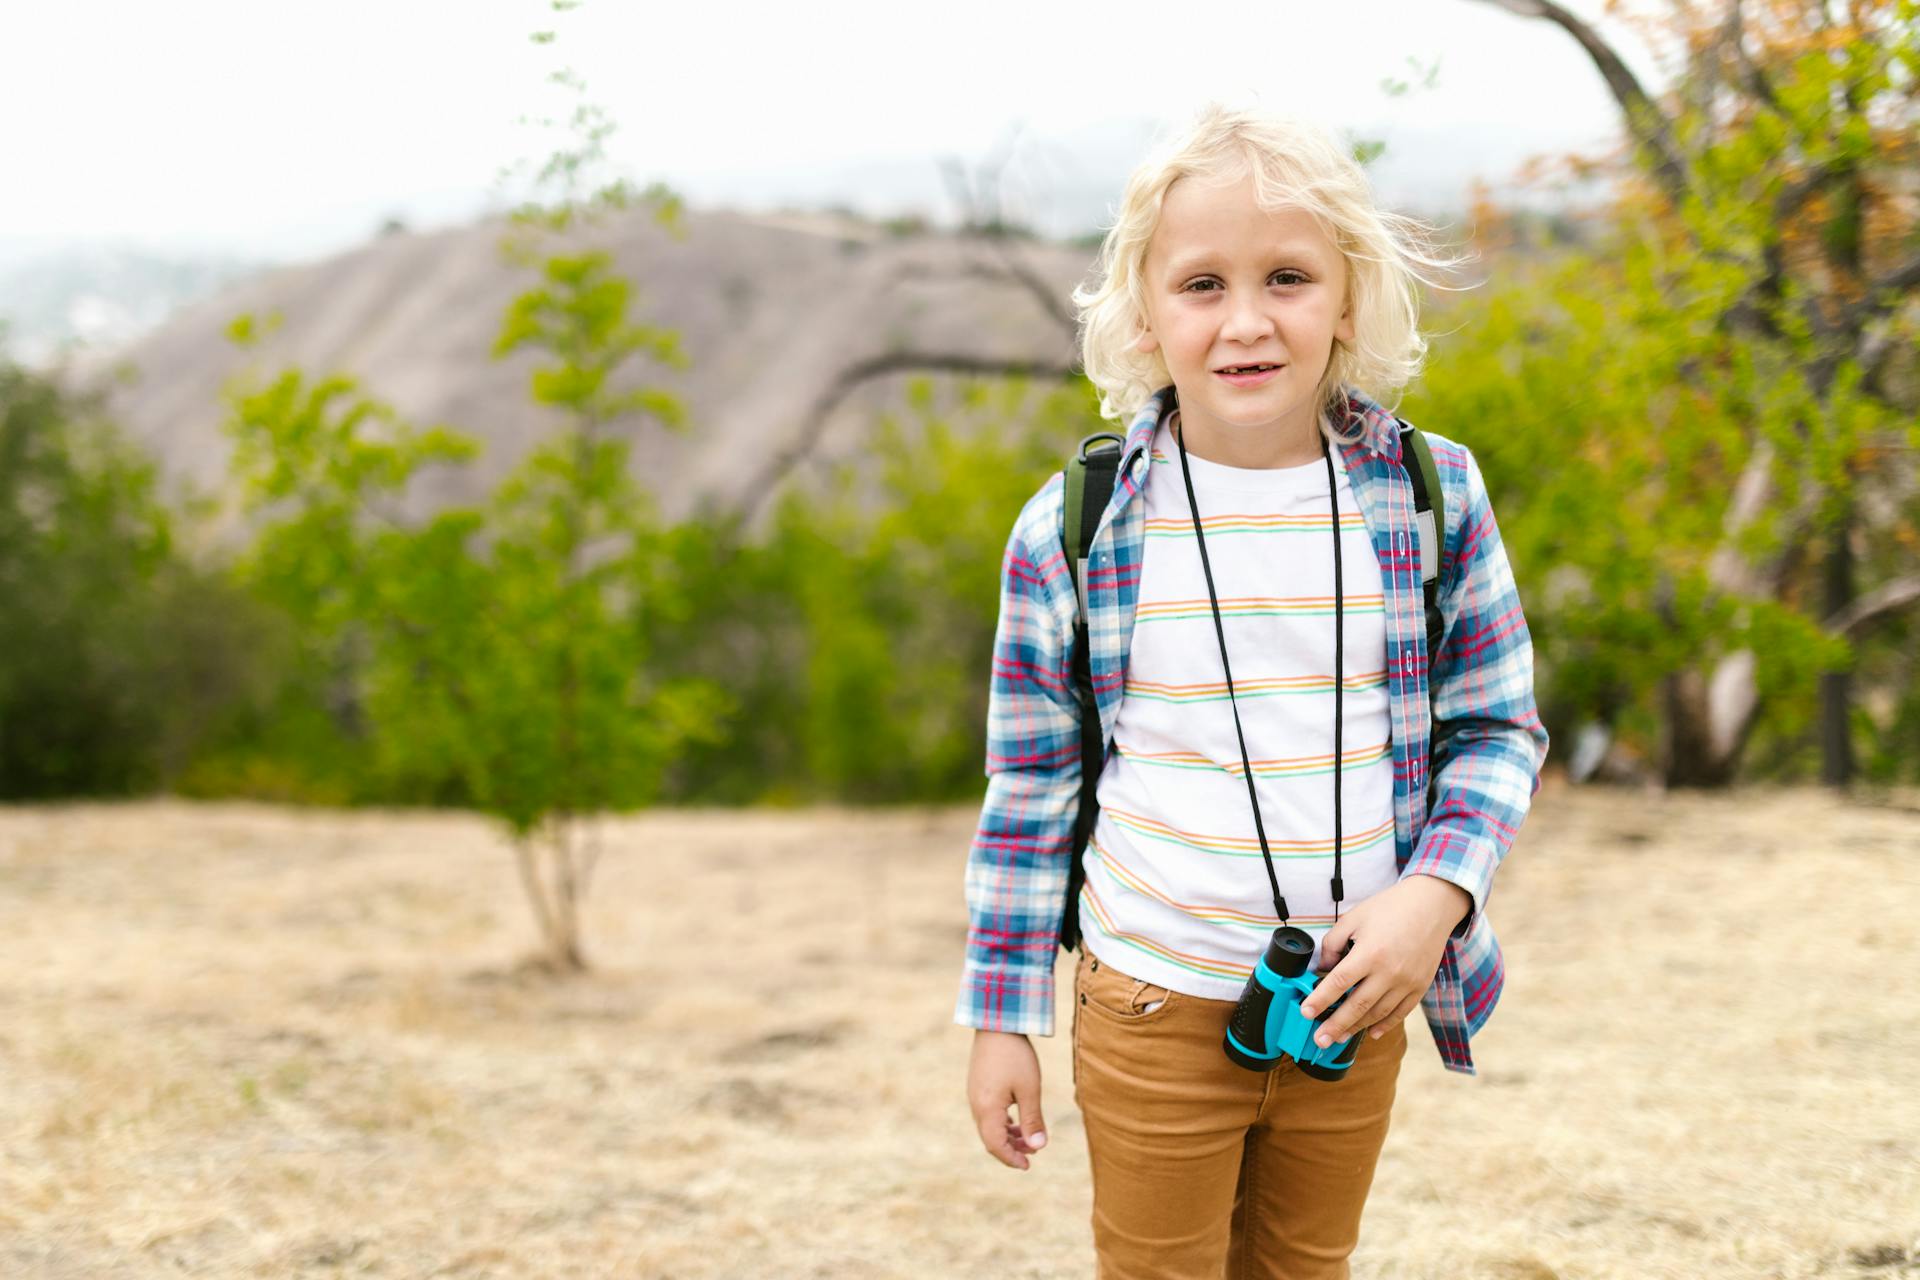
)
(1089, 477)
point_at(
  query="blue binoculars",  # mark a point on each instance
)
(1267, 1026)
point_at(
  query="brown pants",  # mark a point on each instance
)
(1202, 1168)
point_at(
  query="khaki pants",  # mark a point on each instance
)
(1202, 1168)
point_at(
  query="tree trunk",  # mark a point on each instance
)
(1708, 718)
(1836, 687)
(553, 901)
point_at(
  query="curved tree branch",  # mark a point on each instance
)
(1024, 275)
(1733, 36)
(1645, 120)
(785, 460)
(980, 193)
(1888, 597)
(1883, 294)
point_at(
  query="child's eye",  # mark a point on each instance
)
(1291, 277)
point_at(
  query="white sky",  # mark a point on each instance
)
(280, 127)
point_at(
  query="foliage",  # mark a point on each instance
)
(487, 651)
(122, 660)
(1607, 427)
(1703, 412)
(856, 629)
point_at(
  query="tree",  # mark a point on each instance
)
(496, 652)
(121, 658)
(1772, 193)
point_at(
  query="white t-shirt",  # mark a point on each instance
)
(1176, 890)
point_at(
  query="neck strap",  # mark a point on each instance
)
(1339, 671)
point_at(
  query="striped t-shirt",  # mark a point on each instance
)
(1176, 891)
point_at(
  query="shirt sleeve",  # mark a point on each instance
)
(1016, 877)
(1488, 742)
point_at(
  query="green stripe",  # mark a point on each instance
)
(1186, 698)
(1316, 929)
(1346, 523)
(1263, 773)
(1262, 613)
(1346, 846)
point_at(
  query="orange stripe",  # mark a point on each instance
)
(1133, 881)
(1227, 843)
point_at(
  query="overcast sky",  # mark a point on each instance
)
(288, 128)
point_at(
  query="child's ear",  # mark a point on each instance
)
(1343, 328)
(1146, 344)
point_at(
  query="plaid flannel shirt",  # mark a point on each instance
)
(1456, 824)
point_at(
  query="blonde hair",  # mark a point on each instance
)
(1293, 163)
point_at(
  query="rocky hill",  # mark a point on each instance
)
(771, 310)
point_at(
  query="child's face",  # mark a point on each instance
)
(1229, 283)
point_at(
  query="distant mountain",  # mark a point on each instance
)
(770, 309)
(98, 296)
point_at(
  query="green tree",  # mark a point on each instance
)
(122, 659)
(495, 651)
(1767, 259)
(489, 650)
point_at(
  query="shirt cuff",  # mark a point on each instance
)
(998, 998)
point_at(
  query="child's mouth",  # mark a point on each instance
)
(1240, 376)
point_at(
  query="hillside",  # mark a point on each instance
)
(770, 310)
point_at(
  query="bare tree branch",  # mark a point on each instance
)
(1884, 293)
(780, 463)
(1011, 267)
(1728, 569)
(1645, 120)
(1888, 597)
(1041, 292)
(980, 193)
(1748, 311)
(1733, 36)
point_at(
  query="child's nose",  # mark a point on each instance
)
(1247, 321)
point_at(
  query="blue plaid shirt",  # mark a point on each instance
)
(1482, 772)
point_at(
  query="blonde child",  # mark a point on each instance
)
(1280, 747)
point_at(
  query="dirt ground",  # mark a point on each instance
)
(249, 1041)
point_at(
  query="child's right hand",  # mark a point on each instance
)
(1005, 1070)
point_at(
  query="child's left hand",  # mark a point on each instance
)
(1398, 936)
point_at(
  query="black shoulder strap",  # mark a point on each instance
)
(1416, 458)
(1089, 481)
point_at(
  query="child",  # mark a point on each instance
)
(1237, 658)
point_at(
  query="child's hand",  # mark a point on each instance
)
(1398, 936)
(1004, 1069)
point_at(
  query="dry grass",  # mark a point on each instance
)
(247, 1041)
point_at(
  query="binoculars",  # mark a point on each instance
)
(1267, 1025)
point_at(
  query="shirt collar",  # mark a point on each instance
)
(1379, 430)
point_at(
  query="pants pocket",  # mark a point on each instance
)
(1109, 993)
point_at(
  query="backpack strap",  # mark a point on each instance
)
(1089, 478)
(1416, 458)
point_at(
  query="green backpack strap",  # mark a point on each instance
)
(1416, 458)
(1089, 478)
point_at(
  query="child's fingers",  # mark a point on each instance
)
(1019, 1141)
(1342, 976)
(1352, 1015)
(996, 1135)
(1033, 1129)
(1400, 1012)
(1002, 1074)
